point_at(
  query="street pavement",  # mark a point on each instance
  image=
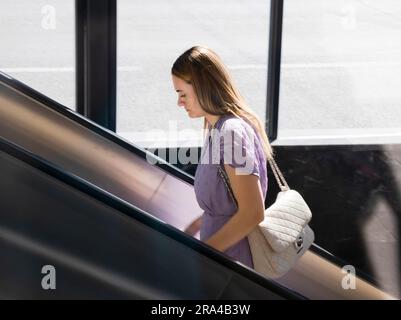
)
(341, 60)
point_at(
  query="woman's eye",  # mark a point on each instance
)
(183, 96)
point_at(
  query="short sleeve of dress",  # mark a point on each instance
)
(238, 147)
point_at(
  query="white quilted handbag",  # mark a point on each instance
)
(284, 235)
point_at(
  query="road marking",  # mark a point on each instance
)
(312, 65)
(248, 67)
(319, 65)
(57, 69)
(129, 68)
(324, 65)
(37, 70)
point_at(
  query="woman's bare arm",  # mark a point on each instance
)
(194, 227)
(248, 192)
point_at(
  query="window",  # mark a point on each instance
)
(340, 72)
(151, 35)
(38, 46)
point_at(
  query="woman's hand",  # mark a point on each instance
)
(194, 227)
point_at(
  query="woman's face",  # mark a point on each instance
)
(187, 98)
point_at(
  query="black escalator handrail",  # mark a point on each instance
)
(141, 216)
(93, 126)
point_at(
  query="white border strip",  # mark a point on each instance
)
(289, 138)
(339, 136)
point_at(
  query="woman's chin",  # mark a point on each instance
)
(192, 115)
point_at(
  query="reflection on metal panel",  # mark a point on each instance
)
(317, 278)
(169, 201)
(80, 151)
(46, 223)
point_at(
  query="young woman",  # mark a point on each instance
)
(205, 89)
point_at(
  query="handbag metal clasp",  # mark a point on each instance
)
(299, 243)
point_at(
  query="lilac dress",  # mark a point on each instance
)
(240, 147)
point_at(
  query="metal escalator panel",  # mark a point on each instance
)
(81, 147)
(97, 250)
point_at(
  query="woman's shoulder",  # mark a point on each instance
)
(236, 125)
(239, 145)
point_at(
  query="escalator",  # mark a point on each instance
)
(100, 246)
(109, 214)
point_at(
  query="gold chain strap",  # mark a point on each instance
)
(283, 186)
(223, 175)
(273, 165)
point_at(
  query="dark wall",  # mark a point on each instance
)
(354, 193)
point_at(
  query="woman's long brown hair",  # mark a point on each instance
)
(204, 70)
